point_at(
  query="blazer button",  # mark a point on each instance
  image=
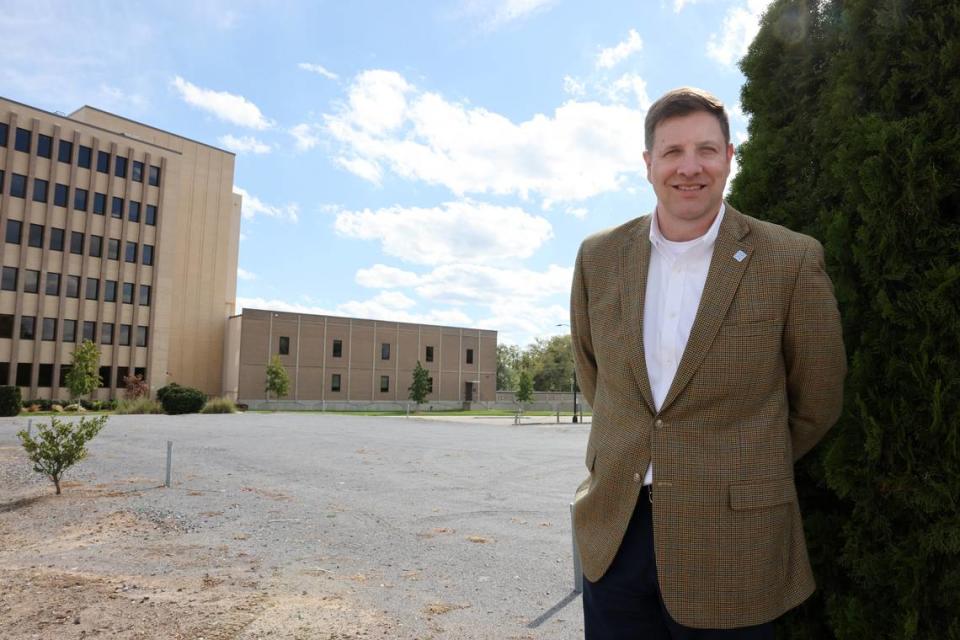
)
(636, 477)
(658, 424)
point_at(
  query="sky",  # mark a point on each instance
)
(419, 161)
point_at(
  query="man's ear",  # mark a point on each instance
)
(730, 151)
(646, 160)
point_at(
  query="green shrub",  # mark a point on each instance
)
(183, 400)
(61, 445)
(9, 400)
(139, 405)
(219, 405)
(162, 391)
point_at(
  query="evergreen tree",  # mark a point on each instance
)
(84, 374)
(420, 386)
(278, 381)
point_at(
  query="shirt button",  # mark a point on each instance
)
(636, 477)
(658, 424)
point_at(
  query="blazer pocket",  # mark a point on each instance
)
(751, 328)
(757, 495)
(591, 458)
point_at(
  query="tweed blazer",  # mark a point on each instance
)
(759, 384)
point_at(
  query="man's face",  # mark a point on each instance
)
(688, 168)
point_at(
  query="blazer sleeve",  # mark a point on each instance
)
(814, 354)
(583, 354)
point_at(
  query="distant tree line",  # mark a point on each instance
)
(548, 362)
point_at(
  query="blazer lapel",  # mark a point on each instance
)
(723, 278)
(634, 262)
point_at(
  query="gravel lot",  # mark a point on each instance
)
(295, 526)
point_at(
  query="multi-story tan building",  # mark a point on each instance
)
(117, 232)
(336, 362)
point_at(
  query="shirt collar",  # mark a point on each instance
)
(657, 238)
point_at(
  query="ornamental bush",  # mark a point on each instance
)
(58, 447)
(219, 405)
(182, 400)
(10, 401)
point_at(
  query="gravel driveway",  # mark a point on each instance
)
(289, 525)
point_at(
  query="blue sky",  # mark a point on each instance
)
(427, 161)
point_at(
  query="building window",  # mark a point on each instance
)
(64, 370)
(24, 371)
(109, 290)
(53, 284)
(105, 377)
(84, 154)
(116, 207)
(93, 288)
(49, 329)
(4, 130)
(284, 345)
(44, 146)
(151, 214)
(31, 281)
(61, 193)
(142, 336)
(35, 237)
(131, 253)
(1, 181)
(429, 355)
(45, 375)
(134, 211)
(14, 230)
(127, 293)
(6, 328)
(56, 239)
(154, 176)
(27, 327)
(337, 344)
(69, 330)
(335, 382)
(65, 152)
(99, 203)
(385, 351)
(76, 242)
(120, 167)
(469, 356)
(137, 173)
(103, 161)
(4, 372)
(430, 384)
(22, 140)
(89, 330)
(384, 384)
(113, 249)
(9, 280)
(40, 190)
(144, 295)
(73, 286)
(125, 335)
(80, 199)
(95, 246)
(148, 254)
(18, 185)
(106, 333)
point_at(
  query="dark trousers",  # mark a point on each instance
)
(625, 604)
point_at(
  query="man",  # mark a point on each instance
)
(709, 345)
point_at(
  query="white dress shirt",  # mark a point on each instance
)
(675, 279)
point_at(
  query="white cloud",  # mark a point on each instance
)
(115, 98)
(380, 276)
(253, 206)
(520, 321)
(225, 106)
(678, 5)
(740, 26)
(243, 274)
(496, 13)
(243, 144)
(484, 284)
(573, 86)
(630, 86)
(577, 212)
(609, 58)
(581, 150)
(306, 136)
(319, 70)
(463, 231)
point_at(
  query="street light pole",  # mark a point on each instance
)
(574, 381)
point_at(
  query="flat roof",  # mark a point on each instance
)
(327, 315)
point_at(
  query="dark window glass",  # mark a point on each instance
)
(76, 242)
(142, 335)
(106, 333)
(469, 356)
(9, 280)
(24, 371)
(120, 167)
(151, 217)
(109, 290)
(384, 384)
(148, 254)
(96, 246)
(4, 130)
(429, 356)
(69, 330)
(40, 188)
(140, 371)
(103, 161)
(44, 146)
(430, 385)
(4, 372)
(105, 377)
(60, 194)
(125, 335)
(28, 327)
(335, 382)
(284, 345)
(145, 295)
(83, 156)
(93, 288)
(99, 203)
(116, 207)
(31, 281)
(73, 286)
(89, 329)
(154, 176)
(80, 199)
(64, 370)
(6, 328)
(49, 330)
(56, 239)
(35, 239)
(130, 255)
(113, 249)
(134, 211)
(65, 152)
(337, 348)
(53, 284)
(18, 185)
(137, 173)
(2, 174)
(127, 293)
(14, 229)
(45, 375)
(22, 141)
(385, 351)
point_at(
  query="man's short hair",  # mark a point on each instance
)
(682, 102)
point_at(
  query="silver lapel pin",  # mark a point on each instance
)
(740, 255)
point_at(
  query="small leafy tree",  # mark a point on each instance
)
(420, 386)
(61, 445)
(278, 381)
(524, 389)
(84, 374)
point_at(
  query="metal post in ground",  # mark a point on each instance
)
(169, 461)
(577, 569)
(29, 427)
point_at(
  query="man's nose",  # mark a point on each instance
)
(689, 165)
